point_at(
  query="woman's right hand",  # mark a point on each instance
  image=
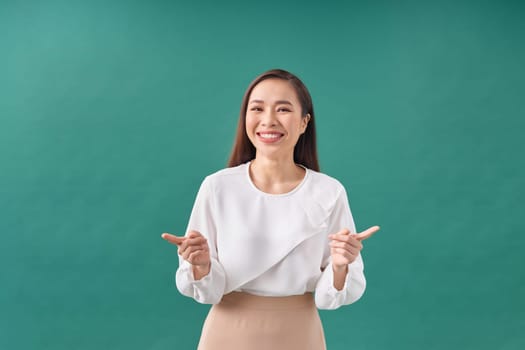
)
(194, 249)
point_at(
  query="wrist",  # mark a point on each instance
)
(200, 271)
(339, 277)
(340, 268)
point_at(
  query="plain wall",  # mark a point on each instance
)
(112, 113)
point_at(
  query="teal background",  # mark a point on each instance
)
(112, 112)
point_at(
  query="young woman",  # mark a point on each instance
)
(270, 239)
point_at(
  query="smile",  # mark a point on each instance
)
(269, 137)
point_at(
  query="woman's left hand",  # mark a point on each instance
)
(345, 247)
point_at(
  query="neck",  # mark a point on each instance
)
(274, 171)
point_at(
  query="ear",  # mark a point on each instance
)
(304, 122)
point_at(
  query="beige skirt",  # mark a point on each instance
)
(246, 321)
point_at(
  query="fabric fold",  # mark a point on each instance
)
(258, 244)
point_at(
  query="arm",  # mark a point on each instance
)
(200, 275)
(353, 282)
(342, 282)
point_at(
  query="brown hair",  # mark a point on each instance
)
(305, 151)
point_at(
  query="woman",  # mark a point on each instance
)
(269, 231)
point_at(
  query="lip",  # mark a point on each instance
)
(269, 139)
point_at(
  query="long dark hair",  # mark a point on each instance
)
(305, 151)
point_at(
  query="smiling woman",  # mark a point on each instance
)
(270, 238)
(291, 90)
(275, 118)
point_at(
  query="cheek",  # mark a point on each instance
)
(249, 124)
(297, 126)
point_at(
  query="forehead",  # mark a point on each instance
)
(273, 90)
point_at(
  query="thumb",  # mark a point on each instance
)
(172, 238)
(367, 233)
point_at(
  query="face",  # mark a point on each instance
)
(274, 120)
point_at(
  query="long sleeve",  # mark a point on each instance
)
(326, 296)
(209, 289)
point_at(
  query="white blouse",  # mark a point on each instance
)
(270, 244)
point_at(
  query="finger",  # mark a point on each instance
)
(367, 233)
(355, 243)
(350, 250)
(347, 238)
(194, 234)
(191, 255)
(172, 238)
(347, 245)
(193, 241)
(344, 253)
(186, 253)
(188, 250)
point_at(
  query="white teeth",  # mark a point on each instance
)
(270, 136)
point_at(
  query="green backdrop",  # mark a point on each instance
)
(112, 113)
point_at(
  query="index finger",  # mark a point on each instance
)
(367, 233)
(172, 238)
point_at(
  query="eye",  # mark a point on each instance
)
(283, 109)
(256, 109)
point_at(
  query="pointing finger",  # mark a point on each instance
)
(172, 238)
(367, 233)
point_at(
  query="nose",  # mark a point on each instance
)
(268, 119)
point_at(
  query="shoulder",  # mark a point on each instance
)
(326, 183)
(324, 190)
(323, 196)
(226, 176)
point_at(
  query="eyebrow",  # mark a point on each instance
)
(279, 102)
